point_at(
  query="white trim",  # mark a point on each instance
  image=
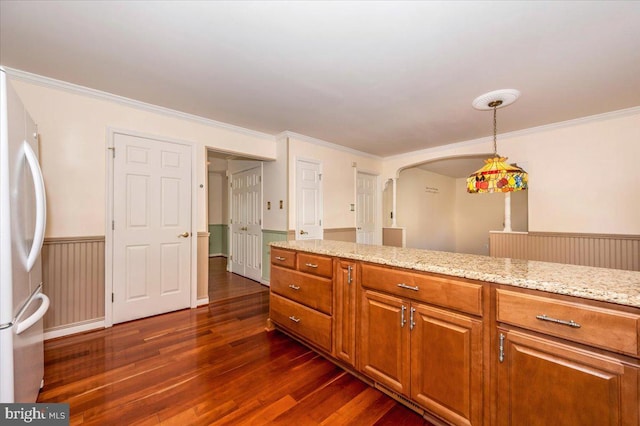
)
(73, 329)
(326, 144)
(203, 301)
(523, 132)
(265, 282)
(218, 255)
(98, 94)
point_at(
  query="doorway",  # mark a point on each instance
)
(234, 194)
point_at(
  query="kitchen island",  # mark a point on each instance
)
(467, 339)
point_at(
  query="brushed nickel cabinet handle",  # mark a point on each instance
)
(408, 287)
(294, 287)
(280, 258)
(311, 265)
(570, 323)
(294, 319)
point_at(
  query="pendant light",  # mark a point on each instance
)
(496, 175)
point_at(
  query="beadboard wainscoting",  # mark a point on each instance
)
(73, 276)
(600, 250)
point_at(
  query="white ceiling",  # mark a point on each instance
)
(380, 77)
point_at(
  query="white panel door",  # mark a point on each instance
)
(308, 200)
(365, 208)
(246, 223)
(152, 227)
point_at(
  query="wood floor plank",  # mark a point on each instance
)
(210, 365)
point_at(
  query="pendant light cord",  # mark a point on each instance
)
(495, 132)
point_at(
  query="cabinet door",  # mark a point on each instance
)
(384, 340)
(547, 383)
(345, 312)
(446, 364)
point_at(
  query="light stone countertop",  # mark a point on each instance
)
(608, 285)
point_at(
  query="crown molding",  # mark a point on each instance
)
(98, 94)
(326, 144)
(531, 130)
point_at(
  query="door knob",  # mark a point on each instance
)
(303, 232)
(184, 235)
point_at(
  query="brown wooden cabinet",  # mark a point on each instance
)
(345, 281)
(543, 382)
(383, 344)
(446, 364)
(462, 351)
(565, 362)
(301, 300)
(431, 355)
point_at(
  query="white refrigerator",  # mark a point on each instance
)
(22, 223)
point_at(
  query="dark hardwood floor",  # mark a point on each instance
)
(210, 365)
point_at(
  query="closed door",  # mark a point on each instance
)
(151, 228)
(308, 200)
(365, 208)
(246, 223)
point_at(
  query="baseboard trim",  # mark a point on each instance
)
(217, 255)
(203, 301)
(73, 329)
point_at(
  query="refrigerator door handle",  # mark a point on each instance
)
(41, 205)
(21, 326)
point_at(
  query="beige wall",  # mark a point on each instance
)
(427, 216)
(583, 174)
(73, 130)
(338, 180)
(477, 214)
(445, 217)
(218, 203)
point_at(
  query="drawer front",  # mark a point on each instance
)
(459, 294)
(315, 292)
(314, 264)
(591, 325)
(312, 325)
(284, 258)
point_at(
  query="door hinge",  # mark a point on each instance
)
(230, 257)
(112, 297)
(231, 221)
(320, 222)
(260, 222)
(260, 179)
(113, 151)
(501, 348)
(113, 225)
(319, 176)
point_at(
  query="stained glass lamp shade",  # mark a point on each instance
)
(496, 175)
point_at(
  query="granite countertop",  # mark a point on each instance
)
(608, 285)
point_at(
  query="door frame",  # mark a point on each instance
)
(108, 249)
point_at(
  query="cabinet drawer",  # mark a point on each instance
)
(315, 292)
(312, 325)
(284, 258)
(314, 264)
(458, 294)
(591, 325)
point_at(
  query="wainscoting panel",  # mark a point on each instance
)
(600, 250)
(73, 276)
